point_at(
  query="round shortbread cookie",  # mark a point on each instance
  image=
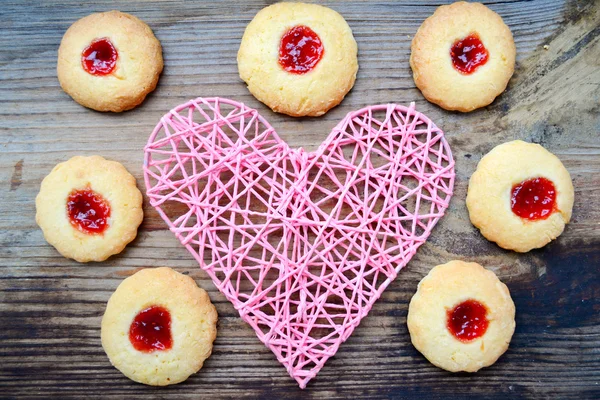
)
(491, 196)
(159, 348)
(89, 208)
(321, 84)
(109, 61)
(449, 296)
(449, 85)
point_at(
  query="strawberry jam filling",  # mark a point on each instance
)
(468, 320)
(468, 54)
(533, 199)
(100, 57)
(151, 330)
(300, 50)
(88, 211)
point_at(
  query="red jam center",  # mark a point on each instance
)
(151, 330)
(300, 50)
(468, 54)
(533, 199)
(100, 57)
(468, 320)
(88, 211)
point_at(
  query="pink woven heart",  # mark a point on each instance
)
(302, 244)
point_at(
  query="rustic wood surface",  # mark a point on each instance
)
(51, 307)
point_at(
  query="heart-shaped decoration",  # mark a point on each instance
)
(302, 244)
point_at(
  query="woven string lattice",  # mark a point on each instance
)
(301, 243)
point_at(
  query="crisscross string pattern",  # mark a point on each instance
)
(302, 244)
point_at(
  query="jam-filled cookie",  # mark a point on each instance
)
(462, 317)
(520, 196)
(299, 59)
(463, 56)
(109, 61)
(159, 327)
(89, 208)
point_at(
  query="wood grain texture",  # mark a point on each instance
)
(50, 307)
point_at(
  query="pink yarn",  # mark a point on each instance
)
(302, 244)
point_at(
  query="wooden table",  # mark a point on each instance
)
(51, 307)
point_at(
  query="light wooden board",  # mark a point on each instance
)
(50, 307)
